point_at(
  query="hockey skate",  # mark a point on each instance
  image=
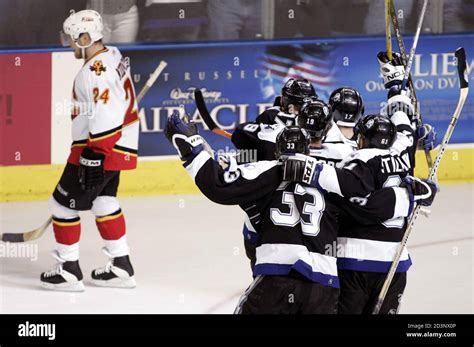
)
(117, 273)
(67, 276)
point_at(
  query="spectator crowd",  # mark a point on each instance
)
(37, 22)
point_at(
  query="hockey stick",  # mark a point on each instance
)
(151, 80)
(401, 46)
(464, 89)
(388, 30)
(206, 117)
(38, 232)
(27, 236)
(414, 45)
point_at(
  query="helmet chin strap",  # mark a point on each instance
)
(83, 48)
(361, 141)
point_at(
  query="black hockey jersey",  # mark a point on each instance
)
(256, 141)
(260, 136)
(296, 226)
(363, 172)
(274, 115)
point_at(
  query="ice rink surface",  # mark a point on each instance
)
(189, 258)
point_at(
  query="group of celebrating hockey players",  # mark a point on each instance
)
(325, 204)
(327, 201)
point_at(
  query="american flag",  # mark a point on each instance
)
(317, 66)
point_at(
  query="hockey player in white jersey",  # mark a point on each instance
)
(104, 142)
(347, 107)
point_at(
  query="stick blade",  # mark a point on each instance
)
(27, 236)
(12, 237)
(201, 106)
(460, 55)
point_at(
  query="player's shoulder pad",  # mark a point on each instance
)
(251, 171)
(366, 154)
(268, 116)
(97, 67)
(336, 151)
(272, 109)
(105, 64)
(269, 132)
(285, 115)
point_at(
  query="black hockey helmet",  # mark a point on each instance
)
(292, 140)
(295, 91)
(315, 116)
(378, 131)
(347, 106)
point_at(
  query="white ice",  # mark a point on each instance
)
(189, 258)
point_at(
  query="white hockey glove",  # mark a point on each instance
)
(392, 71)
(420, 191)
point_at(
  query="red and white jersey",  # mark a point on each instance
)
(105, 115)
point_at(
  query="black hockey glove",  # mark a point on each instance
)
(184, 136)
(301, 168)
(91, 171)
(420, 191)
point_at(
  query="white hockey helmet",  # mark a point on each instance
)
(86, 21)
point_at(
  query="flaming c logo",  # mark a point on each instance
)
(97, 67)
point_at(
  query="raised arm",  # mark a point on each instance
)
(232, 185)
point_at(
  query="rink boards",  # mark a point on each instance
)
(240, 80)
